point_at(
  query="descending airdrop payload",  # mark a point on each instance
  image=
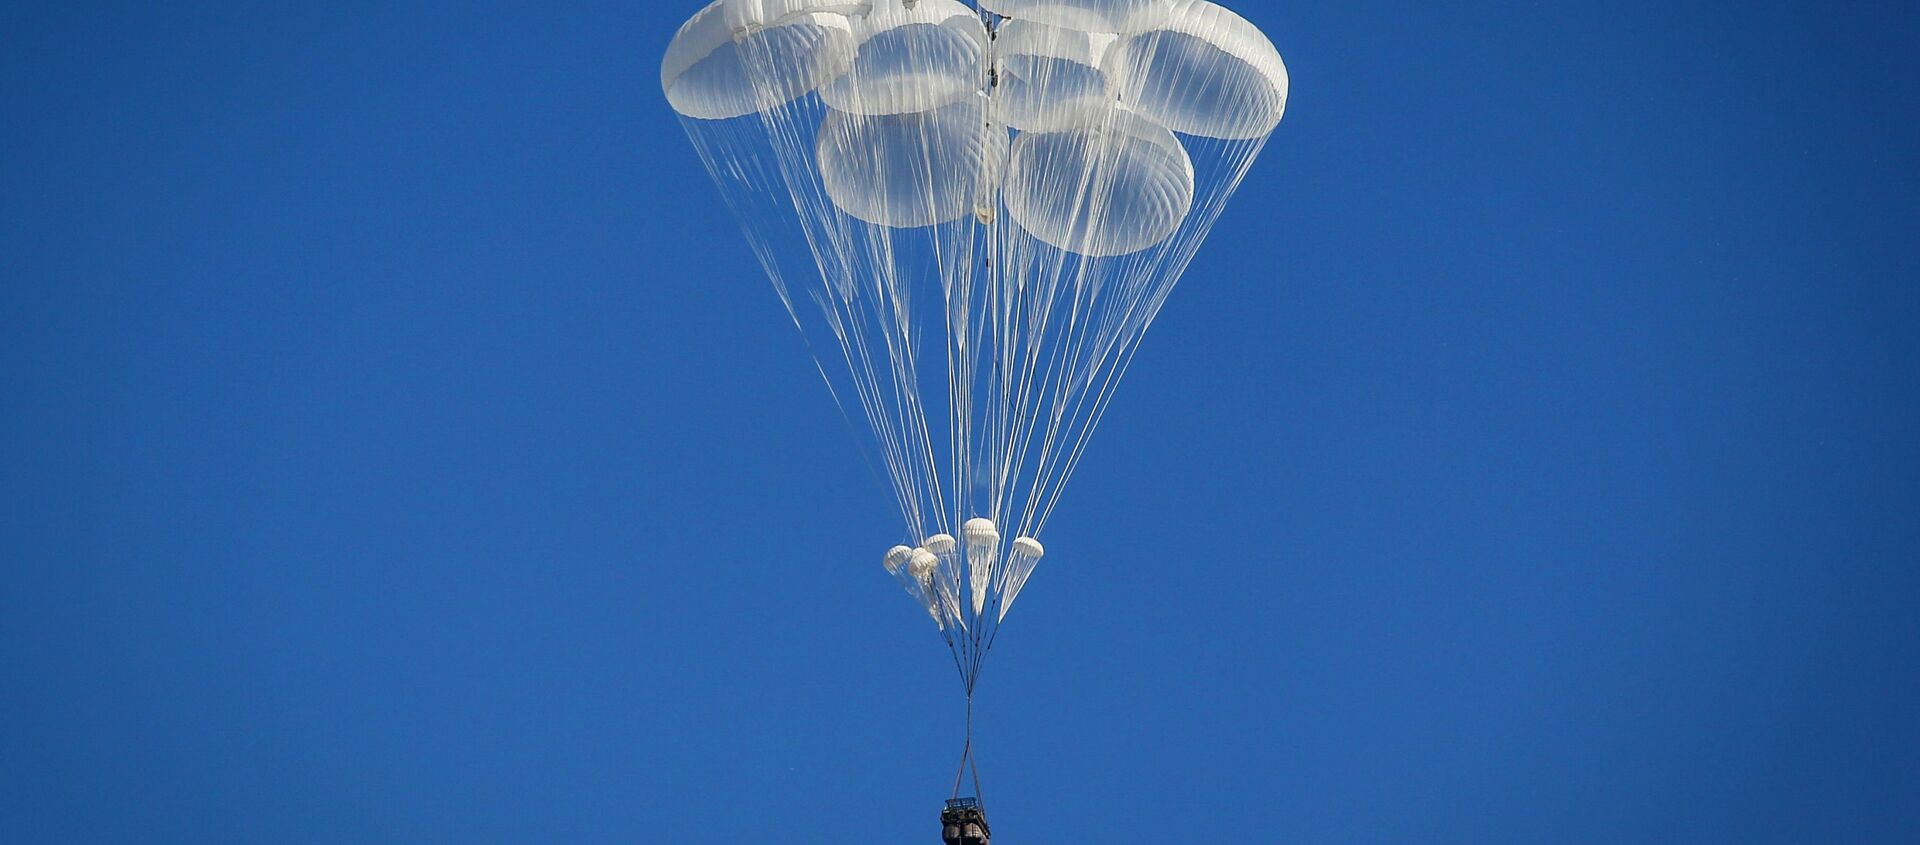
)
(973, 215)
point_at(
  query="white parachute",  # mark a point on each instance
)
(973, 214)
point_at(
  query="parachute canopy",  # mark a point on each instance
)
(972, 215)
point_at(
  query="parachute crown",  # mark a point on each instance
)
(980, 530)
(897, 557)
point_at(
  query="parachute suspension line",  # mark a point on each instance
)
(968, 760)
(745, 184)
(959, 663)
(1233, 164)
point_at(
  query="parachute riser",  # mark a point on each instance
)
(967, 759)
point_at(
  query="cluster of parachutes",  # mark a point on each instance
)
(972, 214)
(931, 572)
(921, 96)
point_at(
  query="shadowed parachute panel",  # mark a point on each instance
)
(911, 169)
(973, 216)
(707, 72)
(910, 60)
(1045, 76)
(1113, 184)
(1203, 71)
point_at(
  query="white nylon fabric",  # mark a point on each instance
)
(706, 73)
(1113, 184)
(897, 557)
(1045, 76)
(983, 547)
(1023, 557)
(912, 60)
(973, 217)
(912, 169)
(1203, 71)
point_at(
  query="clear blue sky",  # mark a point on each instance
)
(396, 445)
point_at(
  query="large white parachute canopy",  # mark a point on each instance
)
(973, 214)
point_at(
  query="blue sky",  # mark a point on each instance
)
(399, 446)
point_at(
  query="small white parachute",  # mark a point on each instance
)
(922, 564)
(897, 557)
(983, 548)
(1027, 553)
